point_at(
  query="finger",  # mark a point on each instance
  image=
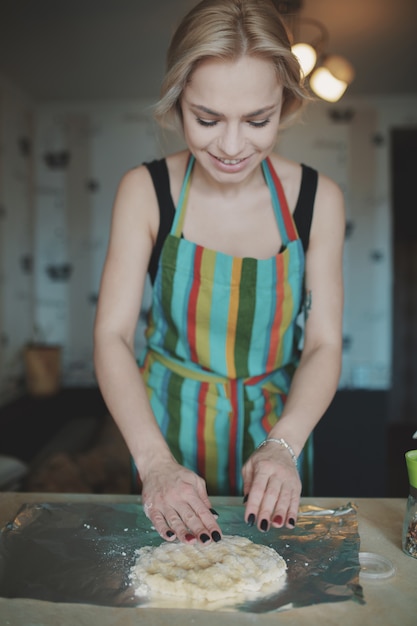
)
(271, 495)
(204, 513)
(202, 492)
(184, 513)
(279, 514)
(176, 519)
(200, 520)
(293, 510)
(192, 525)
(286, 509)
(247, 475)
(161, 525)
(207, 519)
(255, 497)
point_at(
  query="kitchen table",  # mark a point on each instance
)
(391, 601)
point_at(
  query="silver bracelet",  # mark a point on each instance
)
(282, 443)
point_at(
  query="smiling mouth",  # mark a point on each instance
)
(230, 161)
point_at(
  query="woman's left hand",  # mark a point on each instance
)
(272, 488)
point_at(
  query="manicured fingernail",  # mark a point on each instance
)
(216, 536)
(169, 533)
(204, 538)
(214, 512)
(291, 522)
(251, 519)
(189, 537)
(277, 519)
(264, 525)
(245, 499)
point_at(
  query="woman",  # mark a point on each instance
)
(224, 401)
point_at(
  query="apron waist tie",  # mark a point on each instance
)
(205, 376)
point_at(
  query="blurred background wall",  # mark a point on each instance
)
(60, 167)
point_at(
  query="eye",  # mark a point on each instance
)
(206, 123)
(260, 124)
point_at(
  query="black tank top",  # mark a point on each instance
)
(303, 213)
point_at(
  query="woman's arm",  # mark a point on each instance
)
(270, 475)
(170, 491)
(121, 292)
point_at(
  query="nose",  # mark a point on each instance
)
(232, 140)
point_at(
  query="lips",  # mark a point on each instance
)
(230, 161)
(229, 166)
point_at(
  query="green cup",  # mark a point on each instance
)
(411, 462)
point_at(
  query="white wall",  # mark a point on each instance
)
(350, 143)
(73, 211)
(72, 206)
(16, 233)
(361, 165)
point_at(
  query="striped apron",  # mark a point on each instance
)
(222, 345)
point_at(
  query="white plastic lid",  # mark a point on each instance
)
(374, 566)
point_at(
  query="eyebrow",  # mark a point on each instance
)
(208, 111)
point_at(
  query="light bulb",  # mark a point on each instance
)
(327, 86)
(306, 56)
(339, 67)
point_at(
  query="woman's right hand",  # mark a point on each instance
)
(176, 501)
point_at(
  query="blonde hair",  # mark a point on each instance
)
(228, 29)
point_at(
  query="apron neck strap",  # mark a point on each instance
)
(279, 202)
(182, 201)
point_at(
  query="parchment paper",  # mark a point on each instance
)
(83, 553)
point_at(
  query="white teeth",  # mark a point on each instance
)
(230, 161)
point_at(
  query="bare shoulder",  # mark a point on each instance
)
(328, 223)
(328, 189)
(329, 202)
(290, 173)
(136, 185)
(136, 206)
(329, 207)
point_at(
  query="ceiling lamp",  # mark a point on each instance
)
(306, 55)
(331, 78)
(328, 75)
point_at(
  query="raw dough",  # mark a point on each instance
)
(196, 574)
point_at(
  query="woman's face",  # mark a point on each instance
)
(231, 112)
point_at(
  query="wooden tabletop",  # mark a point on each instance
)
(391, 601)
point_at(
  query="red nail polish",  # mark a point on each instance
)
(189, 537)
(277, 519)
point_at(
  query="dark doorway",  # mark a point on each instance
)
(403, 397)
(404, 208)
